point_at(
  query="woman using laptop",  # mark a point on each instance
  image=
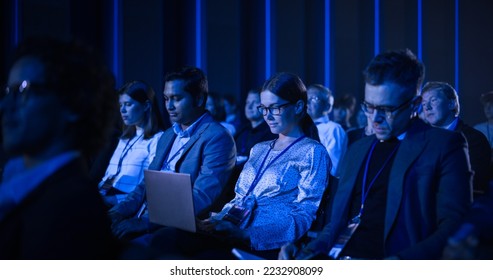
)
(279, 189)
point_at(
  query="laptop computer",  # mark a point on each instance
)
(170, 199)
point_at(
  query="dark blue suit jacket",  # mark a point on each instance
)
(429, 192)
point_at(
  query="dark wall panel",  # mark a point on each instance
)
(475, 57)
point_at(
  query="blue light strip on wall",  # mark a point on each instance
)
(198, 33)
(376, 40)
(268, 66)
(456, 46)
(327, 49)
(116, 41)
(16, 19)
(420, 30)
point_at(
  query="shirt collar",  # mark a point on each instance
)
(189, 131)
(322, 119)
(452, 125)
(19, 181)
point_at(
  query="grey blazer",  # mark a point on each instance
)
(209, 157)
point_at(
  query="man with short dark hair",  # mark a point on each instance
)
(195, 144)
(403, 190)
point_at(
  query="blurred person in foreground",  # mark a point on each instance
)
(56, 112)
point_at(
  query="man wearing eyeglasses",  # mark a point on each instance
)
(402, 191)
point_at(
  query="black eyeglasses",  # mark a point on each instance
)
(389, 112)
(276, 110)
(19, 91)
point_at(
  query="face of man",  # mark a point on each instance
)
(488, 110)
(391, 98)
(317, 106)
(33, 117)
(437, 109)
(180, 104)
(251, 104)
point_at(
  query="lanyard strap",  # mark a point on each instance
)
(170, 159)
(261, 172)
(125, 151)
(365, 190)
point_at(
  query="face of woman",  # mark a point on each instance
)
(132, 111)
(278, 113)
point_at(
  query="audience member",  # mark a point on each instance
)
(137, 145)
(278, 191)
(332, 135)
(232, 111)
(441, 108)
(195, 145)
(403, 191)
(342, 113)
(487, 127)
(215, 106)
(56, 112)
(354, 135)
(254, 131)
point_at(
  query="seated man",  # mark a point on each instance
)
(332, 135)
(49, 207)
(403, 190)
(441, 108)
(196, 145)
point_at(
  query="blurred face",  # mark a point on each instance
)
(488, 110)
(280, 114)
(340, 114)
(437, 109)
(33, 118)
(132, 111)
(316, 106)
(181, 106)
(391, 98)
(251, 104)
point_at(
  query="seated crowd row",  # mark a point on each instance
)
(288, 184)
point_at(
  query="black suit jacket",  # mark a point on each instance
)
(429, 192)
(479, 156)
(63, 218)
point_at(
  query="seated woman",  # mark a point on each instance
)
(279, 190)
(137, 145)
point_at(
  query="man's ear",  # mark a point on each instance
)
(298, 107)
(147, 106)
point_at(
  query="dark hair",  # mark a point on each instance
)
(487, 97)
(82, 82)
(400, 67)
(291, 88)
(195, 82)
(219, 113)
(446, 89)
(142, 93)
(326, 93)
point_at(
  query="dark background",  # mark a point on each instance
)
(144, 39)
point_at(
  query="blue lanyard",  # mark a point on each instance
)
(261, 172)
(123, 155)
(166, 164)
(366, 189)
